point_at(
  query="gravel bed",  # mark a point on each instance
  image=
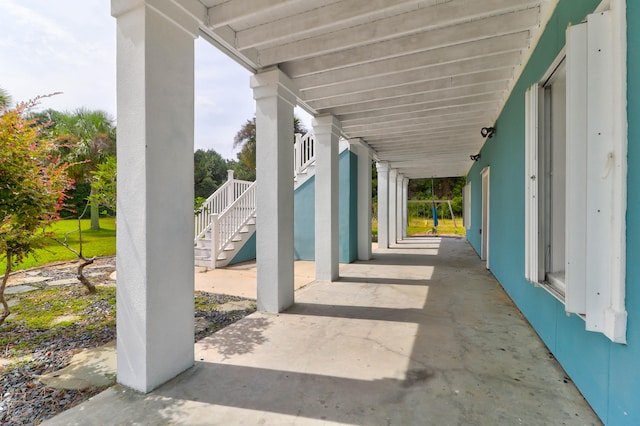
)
(26, 401)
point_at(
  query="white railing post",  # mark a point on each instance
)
(231, 191)
(215, 239)
(297, 161)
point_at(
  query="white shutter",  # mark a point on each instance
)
(531, 184)
(596, 176)
(576, 171)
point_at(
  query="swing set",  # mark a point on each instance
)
(434, 209)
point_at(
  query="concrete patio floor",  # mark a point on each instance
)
(421, 335)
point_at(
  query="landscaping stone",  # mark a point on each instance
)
(239, 305)
(113, 276)
(65, 281)
(91, 367)
(17, 289)
(32, 280)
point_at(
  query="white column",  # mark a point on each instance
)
(363, 151)
(399, 207)
(405, 206)
(327, 243)
(275, 100)
(383, 204)
(393, 206)
(155, 85)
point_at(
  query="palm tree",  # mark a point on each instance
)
(87, 138)
(5, 99)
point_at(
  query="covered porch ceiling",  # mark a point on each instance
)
(415, 79)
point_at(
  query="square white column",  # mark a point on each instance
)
(383, 204)
(155, 85)
(405, 206)
(399, 207)
(363, 152)
(275, 99)
(327, 238)
(393, 206)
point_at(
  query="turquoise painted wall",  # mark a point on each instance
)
(247, 252)
(304, 221)
(348, 219)
(606, 373)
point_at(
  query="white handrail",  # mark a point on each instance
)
(234, 218)
(218, 202)
(304, 152)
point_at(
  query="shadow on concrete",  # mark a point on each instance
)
(383, 281)
(238, 340)
(358, 312)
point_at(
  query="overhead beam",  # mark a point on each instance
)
(473, 49)
(412, 88)
(485, 89)
(498, 61)
(400, 46)
(333, 16)
(401, 123)
(437, 21)
(419, 113)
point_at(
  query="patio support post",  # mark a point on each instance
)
(363, 152)
(275, 99)
(155, 95)
(383, 204)
(399, 207)
(393, 206)
(327, 239)
(405, 206)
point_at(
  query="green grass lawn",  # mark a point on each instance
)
(94, 243)
(420, 226)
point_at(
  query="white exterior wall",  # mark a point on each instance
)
(155, 66)
(275, 100)
(327, 243)
(393, 206)
(363, 152)
(383, 204)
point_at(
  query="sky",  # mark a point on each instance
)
(69, 46)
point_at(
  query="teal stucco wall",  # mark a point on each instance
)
(304, 205)
(606, 373)
(247, 252)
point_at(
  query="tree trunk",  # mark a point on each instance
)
(95, 214)
(82, 278)
(5, 305)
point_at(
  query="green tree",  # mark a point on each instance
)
(5, 99)
(210, 171)
(33, 181)
(86, 139)
(103, 184)
(246, 139)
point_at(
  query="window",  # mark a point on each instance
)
(575, 176)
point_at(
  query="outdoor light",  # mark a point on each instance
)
(488, 132)
(475, 157)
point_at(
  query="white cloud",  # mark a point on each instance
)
(69, 46)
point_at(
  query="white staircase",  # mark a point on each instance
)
(226, 221)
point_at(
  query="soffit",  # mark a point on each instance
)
(415, 79)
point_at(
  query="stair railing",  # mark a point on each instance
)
(230, 222)
(218, 202)
(304, 152)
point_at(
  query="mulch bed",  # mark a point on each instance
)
(26, 401)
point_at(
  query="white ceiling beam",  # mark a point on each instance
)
(411, 88)
(492, 89)
(421, 127)
(478, 108)
(331, 17)
(451, 118)
(452, 69)
(443, 37)
(233, 11)
(421, 60)
(427, 20)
